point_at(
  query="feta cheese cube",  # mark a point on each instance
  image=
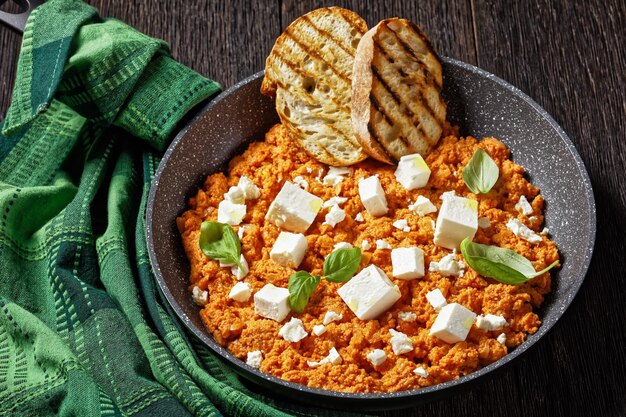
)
(335, 215)
(289, 249)
(335, 175)
(407, 316)
(453, 323)
(230, 213)
(369, 293)
(254, 358)
(519, 229)
(422, 206)
(490, 322)
(334, 201)
(381, 244)
(293, 208)
(319, 329)
(250, 191)
(272, 302)
(235, 195)
(304, 184)
(448, 266)
(293, 331)
(333, 358)
(331, 316)
(359, 217)
(240, 273)
(436, 299)
(483, 222)
(407, 263)
(365, 245)
(199, 296)
(377, 357)
(420, 371)
(373, 196)
(400, 343)
(342, 245)
(501, 339)
(457, 220)
(524, 206)
(240, 292)
(412, 171)
(402, 224)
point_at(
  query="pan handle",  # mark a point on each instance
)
(17, 21)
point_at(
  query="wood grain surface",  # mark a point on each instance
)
(569, 56)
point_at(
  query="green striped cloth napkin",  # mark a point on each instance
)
(83, 329)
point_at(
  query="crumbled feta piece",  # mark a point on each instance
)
(366, 245)
(333, 358)
(381, 244)
(342, 245)
(402, 224)
(199, 296)
(457, 220)
(335, 215)
(335, 175)
(293, 331)
(230, 213)
(422, 206)
(412, 171)
(544, 231)
(453, 323)
(250, 191)
(377, 357)
(436, 299)
(369, 293)
(331, 316)
(300, 181)
(501, 339)
(294, 209)
(235, 195)
(240, 292)
(359, 217)
(519, 229)
(420, 371)
(272, 302)
(334, 201)
(490, 322)
(448, 266)
(254, 358)
(407, 263)
(319, 329)
(289, 249)
(309, 170)
(483, 222)
(240, 231)
(240, 273)
(524, 206)
(400, 343)
(407, 316)
(373, 196)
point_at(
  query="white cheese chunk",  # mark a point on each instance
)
(199, 296)
(319, 329)
(436, 299)
(304, 184)
(366, 245)
(407, 263)
(420, 371)
(235, 195)
(333, 358)
(293, 331)
(448, 266)
(359, 217)
(254, 358)
(331, 316)
(293, 208)
(342, 245)
(533, 218)
(544, 231)
(422, 206)
(335, 215)
(289, 249)
(400, 343)
(369, 293)
(240, 292)
(519, 229)
(402, 224)
(490, 322)
(381, 244)
(501, 338)
(240, 231)
(272, 302)
(230, 213)
(407, 316)
(250, 191)
(453, 323)
(457, 220)
(377, 357)
(335, 175)
(334, 201)
(240, 273)
(412, 171)
(524, 206)
(483, 222)
(373, 196)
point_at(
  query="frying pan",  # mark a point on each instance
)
(479, 102)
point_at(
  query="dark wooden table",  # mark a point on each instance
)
(570, 56)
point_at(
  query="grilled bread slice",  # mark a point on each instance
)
(309, 72)
(397, 108)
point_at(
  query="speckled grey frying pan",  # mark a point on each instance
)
(481, 103)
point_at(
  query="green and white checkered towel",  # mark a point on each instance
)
(83, 329)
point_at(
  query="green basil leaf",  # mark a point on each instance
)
(503, 265)
(481, 172)
(341, 264)
(219, 241)
(301, 286)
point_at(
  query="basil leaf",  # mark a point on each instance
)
(481, 172)
(219, 241)
(341, 264)
(301, 286)
(503, 265)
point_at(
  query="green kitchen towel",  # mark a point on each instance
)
(83, 328)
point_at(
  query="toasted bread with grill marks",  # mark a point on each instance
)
(309, 72)
(397, 108)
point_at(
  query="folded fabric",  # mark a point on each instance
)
(83, 329)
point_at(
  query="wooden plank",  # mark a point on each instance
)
(9, 49)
